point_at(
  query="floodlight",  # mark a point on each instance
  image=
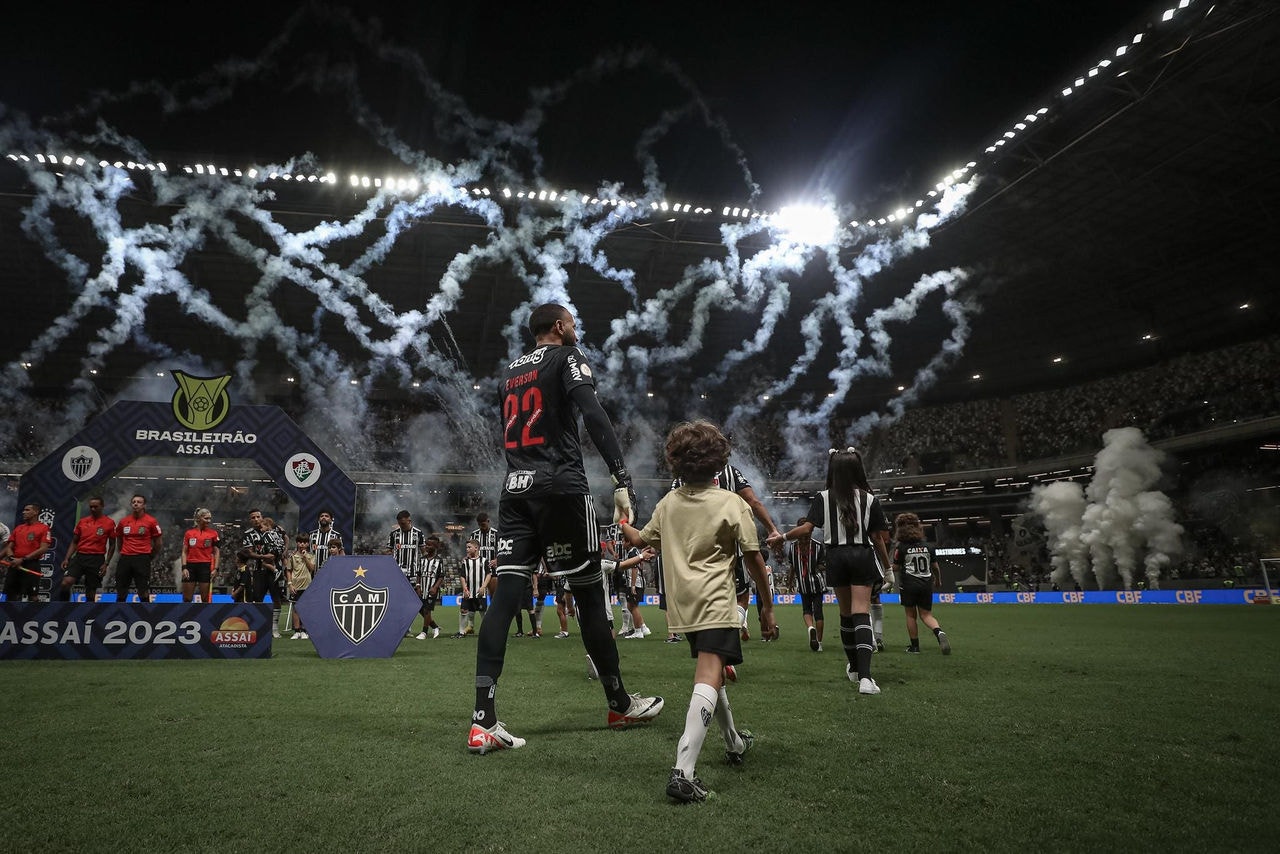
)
(808, 225)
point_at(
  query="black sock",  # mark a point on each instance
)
(588, 598)
(866, 643)
(491, 650)
(937, 631)
(485, 715)
(520, 622)
(848, 639)
(915, 643)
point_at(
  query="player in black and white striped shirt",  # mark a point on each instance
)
(319, 540)
(475, 578)
(405, 543)
(805, 559)
(854, 531)
(487, 538)
(430, 574)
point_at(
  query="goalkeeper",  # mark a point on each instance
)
(546, 512)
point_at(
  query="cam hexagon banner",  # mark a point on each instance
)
(358, 606)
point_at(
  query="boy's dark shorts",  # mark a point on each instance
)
(726, 643)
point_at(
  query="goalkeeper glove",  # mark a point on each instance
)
(624, 497)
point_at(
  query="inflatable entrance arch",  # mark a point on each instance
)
(199, 421)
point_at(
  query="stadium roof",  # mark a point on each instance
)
(1129, 222)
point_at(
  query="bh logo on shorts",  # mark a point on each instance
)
(358, 609)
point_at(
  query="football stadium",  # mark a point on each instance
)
(324, 320)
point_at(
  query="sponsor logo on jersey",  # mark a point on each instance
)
(506, 545)
(532, 358)
(574, 371)
(555, 551)
(200, 403)
(519, 481)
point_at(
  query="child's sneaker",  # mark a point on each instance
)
(685, 790)
(735, 757)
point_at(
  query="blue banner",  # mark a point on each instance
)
(110, 630)
(358, 606)
(1243, 596)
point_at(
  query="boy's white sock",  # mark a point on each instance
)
(702, 706)
(724, 717)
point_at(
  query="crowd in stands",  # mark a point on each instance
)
(955, 437)
(1184, 394)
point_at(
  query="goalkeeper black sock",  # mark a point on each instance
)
(485, 715)
(588, 595)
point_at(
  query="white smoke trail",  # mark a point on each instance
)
(356, 336)
(1121, 522)
(1061, 506)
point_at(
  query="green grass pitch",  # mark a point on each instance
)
(1059, 728)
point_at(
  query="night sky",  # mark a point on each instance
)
(864, 102)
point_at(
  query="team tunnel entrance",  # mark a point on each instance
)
(255, 456)
(229, 489)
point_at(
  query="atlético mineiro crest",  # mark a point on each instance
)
(80, 465)
(358, 610)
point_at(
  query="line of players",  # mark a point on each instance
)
(421, 559)
(268, 569)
